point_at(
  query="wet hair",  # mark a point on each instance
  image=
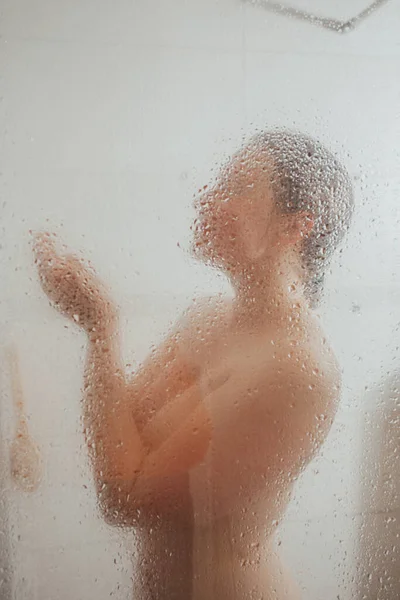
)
(308, 178)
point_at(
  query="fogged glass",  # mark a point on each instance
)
(199, 300)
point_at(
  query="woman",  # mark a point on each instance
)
(200, 449)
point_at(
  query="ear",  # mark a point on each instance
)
(297, 227)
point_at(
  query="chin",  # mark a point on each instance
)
(202, 252)
(212, 253)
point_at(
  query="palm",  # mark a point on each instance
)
(71, 286)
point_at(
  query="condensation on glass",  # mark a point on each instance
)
(199, 315)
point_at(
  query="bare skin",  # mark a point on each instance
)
(200, 449)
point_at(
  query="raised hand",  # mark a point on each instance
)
(73, 287)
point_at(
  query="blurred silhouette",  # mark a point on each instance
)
(199, 450)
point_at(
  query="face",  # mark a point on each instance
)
(236, 222)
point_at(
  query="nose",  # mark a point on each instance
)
(218, 196)
(201, 197)
(207, 201)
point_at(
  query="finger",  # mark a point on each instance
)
(44, 247)
(47, 254)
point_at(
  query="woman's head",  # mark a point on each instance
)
(283, 195)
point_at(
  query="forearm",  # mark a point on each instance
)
(135, 465)
(133, 471)
(157, 485)
(112, 437)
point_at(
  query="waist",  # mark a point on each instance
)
(231, 544)
(225, 569)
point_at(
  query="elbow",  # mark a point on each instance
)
(116, 504)
(125, 505)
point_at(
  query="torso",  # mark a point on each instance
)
(234, 517)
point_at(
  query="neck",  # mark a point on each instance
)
(269, 294)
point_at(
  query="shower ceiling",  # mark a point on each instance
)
(341, 15)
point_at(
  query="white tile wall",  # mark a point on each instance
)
(114, 114)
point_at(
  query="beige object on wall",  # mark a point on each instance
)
(25, 463)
